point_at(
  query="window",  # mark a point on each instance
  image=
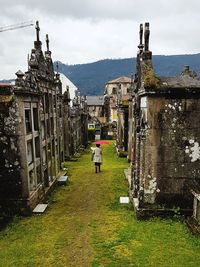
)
(35, 119)
(91, 126)
(29, 152)
(28, 121)
(37, 147)
(114, 91)
(46, 103)
(53, 148)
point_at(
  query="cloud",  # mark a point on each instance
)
(104, 9)
(83, 31)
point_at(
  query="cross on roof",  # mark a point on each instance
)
(47, 42)
(37, 31)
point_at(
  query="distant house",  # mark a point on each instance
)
(114, 89)
(117, 93)
(95, 106)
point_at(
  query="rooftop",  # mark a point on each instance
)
(183, 81)
(5, 84)
(95, 100)
(122, 79)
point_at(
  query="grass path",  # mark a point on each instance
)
(85, 226)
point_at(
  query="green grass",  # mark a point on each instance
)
(86, 226)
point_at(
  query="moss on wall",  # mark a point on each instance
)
(150, 78)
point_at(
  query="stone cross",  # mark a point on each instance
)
(37, 31)
(146, 36)
(141, 33)
(47, 42)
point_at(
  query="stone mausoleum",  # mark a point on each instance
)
(164, 136)
(38, 131)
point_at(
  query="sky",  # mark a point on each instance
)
(83, 31)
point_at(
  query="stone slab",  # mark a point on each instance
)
(124, 200)
(40, 208)
(62, 180)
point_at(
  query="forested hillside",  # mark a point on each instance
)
(91, 78)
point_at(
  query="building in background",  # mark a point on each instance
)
(114, 90)
(123, 99)
(116, 102)
(75, 117)
(96, 116)
(95, 106)
(79, 122)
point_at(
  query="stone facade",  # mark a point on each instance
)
(96, 116)
(123, 98)
(79, 123)
(75, 123)
(35, 133)
(115, 90)
(164, 130)
(117, 94)
(96, 107)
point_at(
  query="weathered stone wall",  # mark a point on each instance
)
(122, 131)
(10, 162)
(170, 150)
(32, 124)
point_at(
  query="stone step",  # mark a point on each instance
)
(62, 180)
(40, 208)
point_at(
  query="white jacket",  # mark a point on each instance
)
(97, 155)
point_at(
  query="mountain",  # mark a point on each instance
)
(91, 78)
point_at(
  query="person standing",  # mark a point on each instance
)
(97, 157)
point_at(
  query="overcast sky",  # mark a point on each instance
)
(82, 31)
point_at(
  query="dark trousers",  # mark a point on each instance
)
(97, 167)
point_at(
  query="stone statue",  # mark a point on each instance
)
(47, 42)
(37, 31)
(141, 33)
(146, 36)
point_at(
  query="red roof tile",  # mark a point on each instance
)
(5, 84)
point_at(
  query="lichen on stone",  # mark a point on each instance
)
(150, 78)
